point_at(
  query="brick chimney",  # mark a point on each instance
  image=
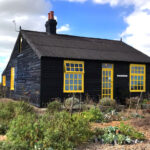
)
(51, 23)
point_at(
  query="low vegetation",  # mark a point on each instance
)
(107, 102)
(59, 129)
(93, 115)
(124, 134)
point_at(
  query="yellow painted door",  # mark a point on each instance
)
(107, 80)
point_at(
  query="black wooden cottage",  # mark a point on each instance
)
(46, 65)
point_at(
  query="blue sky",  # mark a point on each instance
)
(89, 19)
(107, 19)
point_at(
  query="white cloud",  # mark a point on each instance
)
(81, 1)
(63, 28)
(137, 33)
(30, 18)
(136, 3)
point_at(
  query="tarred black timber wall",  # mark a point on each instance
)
(27, 75)
(52, 80)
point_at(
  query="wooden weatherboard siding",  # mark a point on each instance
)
(27, 74)
(52, 80)
(121, 83)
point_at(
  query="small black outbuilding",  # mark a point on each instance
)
(46, 65)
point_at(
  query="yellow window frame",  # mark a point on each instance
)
(78, 71)
(12, 78)
(112, 82)
(4, 80)
(136, 74)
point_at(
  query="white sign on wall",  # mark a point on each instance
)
(122, 75)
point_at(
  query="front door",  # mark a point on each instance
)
(107, 80)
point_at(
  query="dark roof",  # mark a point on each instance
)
(74, 47)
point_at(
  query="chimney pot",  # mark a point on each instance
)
(51, 15)
(51, 23)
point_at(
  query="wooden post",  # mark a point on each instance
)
(138, 102)
(80, 101)
(71, 109)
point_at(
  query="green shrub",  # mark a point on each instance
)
(93, 115)
(9, 110)
(11, 146)
(130, 131)
(66, 131)
(3, 127)
(71, 103)
(59, 130)
(146, 101)
(26, 129)
(23, 108)
(107, 102)
(54, 106)
(7, 113)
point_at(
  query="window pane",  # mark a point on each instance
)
(68, 69)
(67, 87)
(76, 69)
(131, 77)
(106, 85)
(67, 64)
(141, 82)
(81, 69)
(79, 76)
(71, 87)
(103, 73)
(75, 81)
(139, 77)
(103, 79)
(67, 76)
(71, 81)
(75, 76)
(106, 73)
(109, 73)
(106, 79)
(80, 81)
(80, 65)
(72, 69)
(76, 65)
(72, 65)
(71, 76)
(103, 91)
(75, 87)
(80, 87)
(107, 65)
(67, 82)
